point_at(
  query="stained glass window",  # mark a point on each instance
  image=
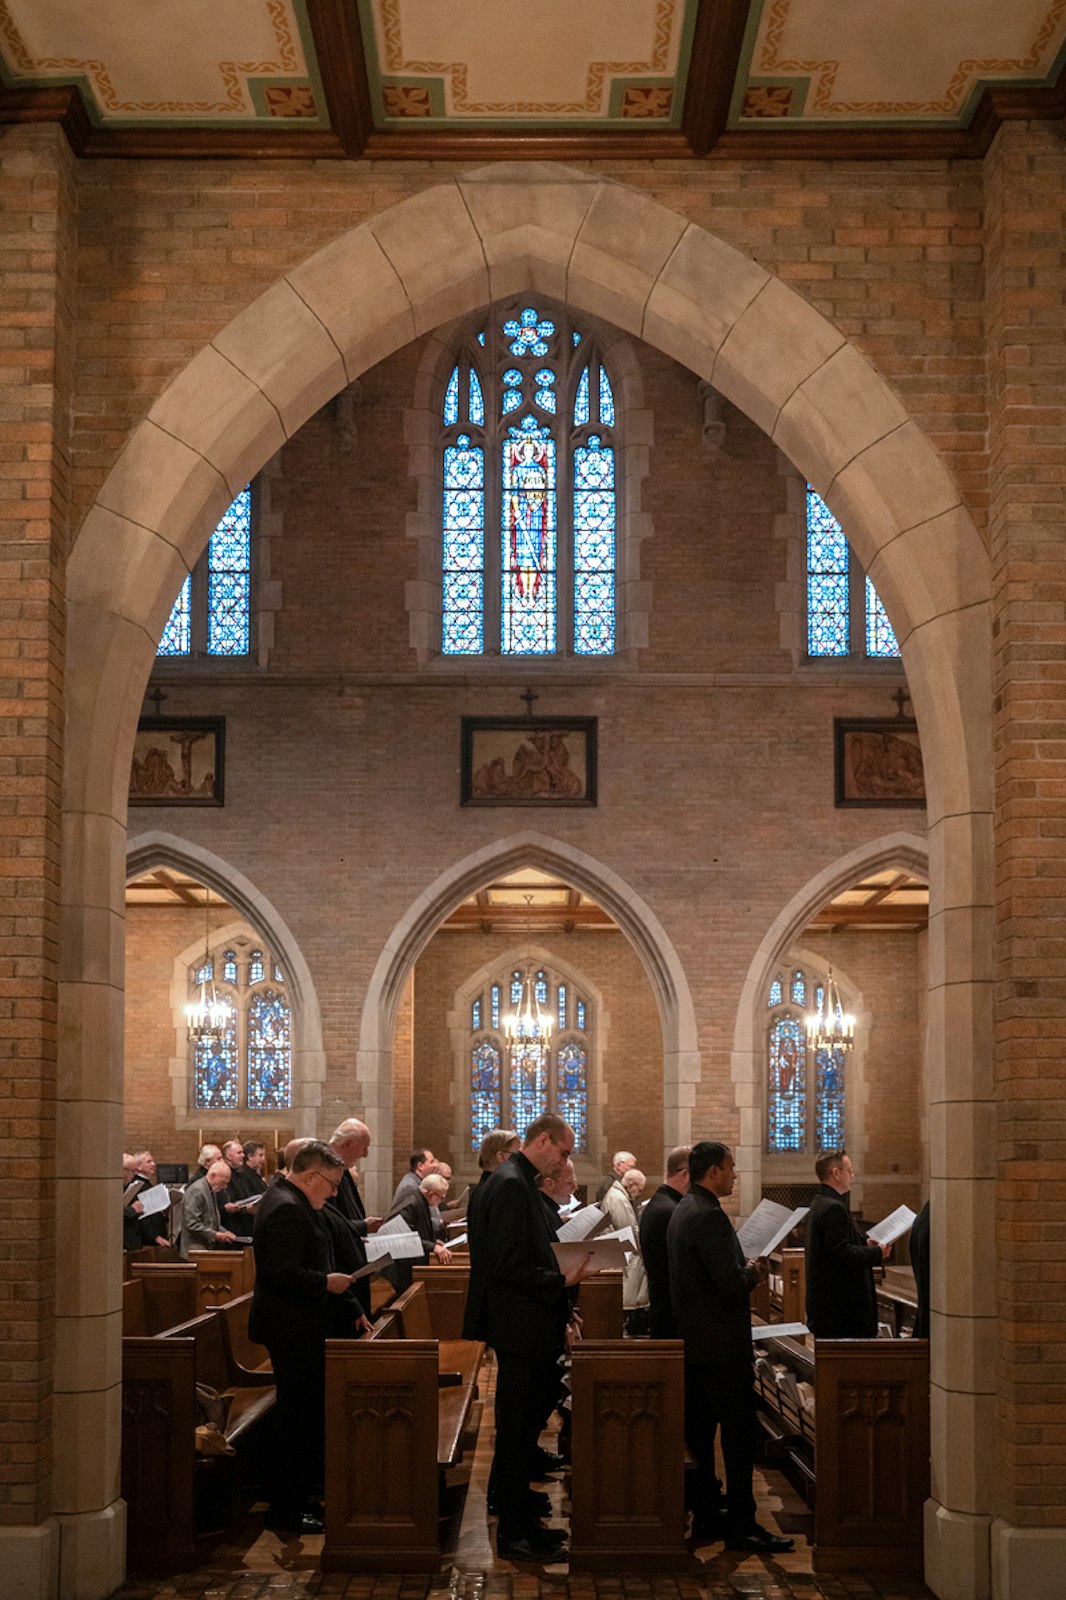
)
(554, 491)
(805, 1092)
(843, 615)
(485, 1108)
(251, 1067)
(269, 1053)
(511, 1086)
(212, 614)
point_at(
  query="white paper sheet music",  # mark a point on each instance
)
(623, 1235)
(892, 1227)
(153, 1200)
(605, 1253)
(768, 1224)
(583, 1224)
(401, 1245)
(780, 1330)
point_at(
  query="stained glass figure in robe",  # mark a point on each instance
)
(787, 1086)
(529, 542)
(485, 1090)
(528, 1085)
(269, 1053)
(572, 1091)
(829, 1099)
(215, 1076)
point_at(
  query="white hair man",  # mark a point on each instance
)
(623, 1161)
(201, 1224)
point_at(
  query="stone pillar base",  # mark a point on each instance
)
(1028, 1563)
(29, 1560)
(92, 1553)
(956, 1554)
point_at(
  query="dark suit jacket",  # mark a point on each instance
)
(654, 1222)
(292, 1252)
(920, 1263)
(841, 1300)
(473, 1208)
(243, 1183)
(517, 1299)
(416, 1214)
(347, 1204)
(551, 1211)
(710, 1285)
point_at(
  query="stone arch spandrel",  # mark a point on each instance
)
(616, 254)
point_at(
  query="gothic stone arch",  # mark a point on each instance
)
(613, 253)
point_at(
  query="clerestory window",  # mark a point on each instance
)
(212, 614)
(530, 506)
(845, 616)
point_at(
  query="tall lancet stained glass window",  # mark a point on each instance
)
(510, 1088)
(845, 615)
(212, 614)
(805, 1089)
(529, 448)
(251, 1067)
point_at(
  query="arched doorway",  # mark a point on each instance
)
(614, 254)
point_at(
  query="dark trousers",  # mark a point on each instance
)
(723, 1398)
(299, 1425)
(523, 1387)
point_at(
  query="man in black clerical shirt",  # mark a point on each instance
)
(710, 1285)
(841, 1299)
(654, 1221)
(351, 1141)
(517, 1303)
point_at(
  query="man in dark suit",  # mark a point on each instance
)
(290, 1314)
(351, 1142)
(920, 1264)
(841, 1299)
(654, 1221)
(517, 1303)
(710, 1285)
(418, 1215)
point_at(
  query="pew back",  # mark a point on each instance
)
(221, 1275)
(133, 1309)
(169, 1293)
(446, 1289)
(600, 1304)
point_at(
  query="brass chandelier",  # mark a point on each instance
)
(208, 1016)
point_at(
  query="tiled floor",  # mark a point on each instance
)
(254, 1564)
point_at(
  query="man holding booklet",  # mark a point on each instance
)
(841, 1298)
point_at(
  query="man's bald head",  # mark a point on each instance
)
(351, 1140)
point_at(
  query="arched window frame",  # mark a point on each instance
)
(478, 1031)
(845, 618)
(825, 1120)
(474, 393)
(194, 633)
(253, 981)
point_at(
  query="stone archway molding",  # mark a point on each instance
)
(613, 253)
(159, 849)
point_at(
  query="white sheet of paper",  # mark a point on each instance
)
(892, 1227)
(453, 1244)
(394, 1225)
(153, 1200)
(780, 1330)
(768, 1224)
(401, 1246)
(371, 1267)
(583, 1224)
(623, 1235)
(606, 1253)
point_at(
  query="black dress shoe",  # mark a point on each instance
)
(759, 1541)
(295, 1526)
(541, 1545)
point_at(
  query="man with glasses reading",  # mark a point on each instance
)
(841, 1297)
(291, 1316)
(517, 1303)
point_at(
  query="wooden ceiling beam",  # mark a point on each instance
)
(714, 60)
(871, 916)
(515, 919)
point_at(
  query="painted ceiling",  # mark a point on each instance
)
(452, 78)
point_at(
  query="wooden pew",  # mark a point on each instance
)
(221, 1275)
(169, 1293)
(244, 1356)
(133, 1309)
(599, 1301)
(400, 1412)
(446, 1290)
(627, 1486)
(159, 1420)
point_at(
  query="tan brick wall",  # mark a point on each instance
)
(1026, 186)
(38, 222)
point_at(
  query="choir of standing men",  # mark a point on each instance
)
(687, 1269)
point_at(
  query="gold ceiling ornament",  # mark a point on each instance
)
(528, 1026)
(207, 1017)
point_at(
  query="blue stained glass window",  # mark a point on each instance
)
(205, 972)
(477, 401)
(880, 635)
(829, 1099)
(269, 1053)
(451, 399)
(594, 549)
(606, 400)
(512, 399)
(256, 969)
(545, 399)
(516, 988)
(581, 1015)
(513, 378)
(495, 1003)
(528, 1086)
(540, 989)
(279, 976)
(581, 401)
(572, 1092)
(576, 338)
(562, 1005)
(475, 1015)
(786, 1123)
(775, 993)
(177, 636)
(828, 622)
(799, 989)
(215, 1076)
(528, 554)
(229, 580)
(485, 1102)
(229, 966)
(463, 600)
(819, 997)
(481, 337)
(529, 334)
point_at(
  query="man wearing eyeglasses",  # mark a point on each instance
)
(841, 1297)
(291, 1316)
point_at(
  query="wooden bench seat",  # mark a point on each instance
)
(401, 1415)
